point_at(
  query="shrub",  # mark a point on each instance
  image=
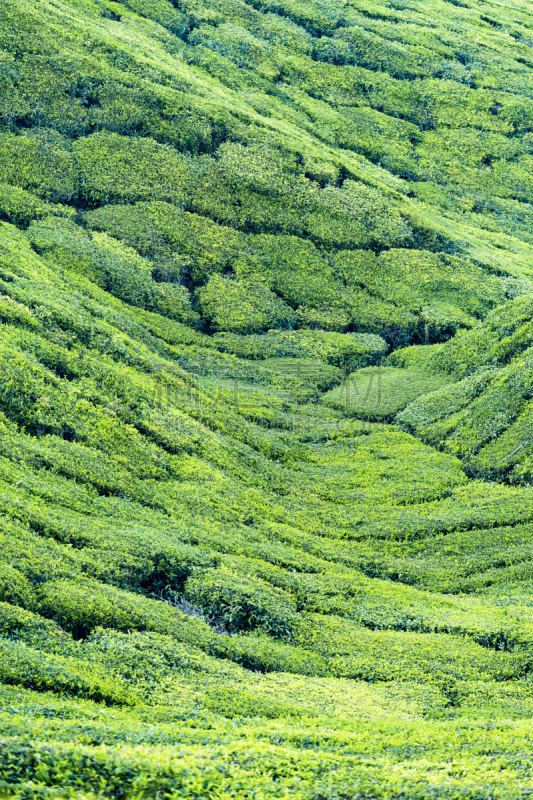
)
(233, 42)
(292, 267)
(243, 604)
(305, 373)
(235, 703)
(243, 306)
(113, 266)
(505, 333)
(346, 350)
(379, 392)
(22, 665)
(158, 230)
(444, 291)
(14, 587)
(260, 653)
(100, 258)
(171, 300)
(416, 356)
(327, 319)
(351, 216)
(410, 656)
(39, 160)
(113, 168)
(83, 606)
(162, 12)
(22, 625)
(265, 148)
(445, 402)
(20, 207)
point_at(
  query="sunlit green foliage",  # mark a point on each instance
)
(266, 357)
(484, 418)
(243, 306)
(349, 350)
(117, 268)
(379, 392)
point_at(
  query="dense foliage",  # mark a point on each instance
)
(266, 358)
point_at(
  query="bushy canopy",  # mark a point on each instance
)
(266, 514)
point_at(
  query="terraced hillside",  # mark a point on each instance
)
(266, 369)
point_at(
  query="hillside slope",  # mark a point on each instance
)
(266, 514)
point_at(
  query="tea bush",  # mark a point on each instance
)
(113, 168)
(484, 417)
(242, 604)
(350, 350)
(265, 358)
(380, 392)
(24, 666)
(39, 160)
(245, 306)
(118, 269)
(20, 207)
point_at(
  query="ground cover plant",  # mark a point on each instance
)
(266, 358)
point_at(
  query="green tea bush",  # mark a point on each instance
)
(20, 207)
(17, 313)
(81, 607)
(345, 350)
(293, 268)
(159, 230)
(114, 168)
(234, 704)
(259, 652)
(160, 11)
(484, 419)
(306, 373)
(232, 41)
(36, 558)
(170, 300)
(231, 191)
(115, 267)
(331, 298)
(300, 273)
(327, 319)
(14, 587)
(385, 656)
(40, 161)
(22, 665)
(358, 607)
(416, 356)
(147, 659)
(380, 392)
(99, 258)
(93, 550)
(21, 625)
(243, 604)
(243, 306)
(504, 334)
(384, 140)
(448, 401)
(447, 292)
(463, 560)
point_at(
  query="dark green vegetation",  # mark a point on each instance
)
(266, 370)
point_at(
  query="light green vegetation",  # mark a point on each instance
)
(484, 416)
(379, 392)
(266, 357)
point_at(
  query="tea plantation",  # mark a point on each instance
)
(266, 395)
